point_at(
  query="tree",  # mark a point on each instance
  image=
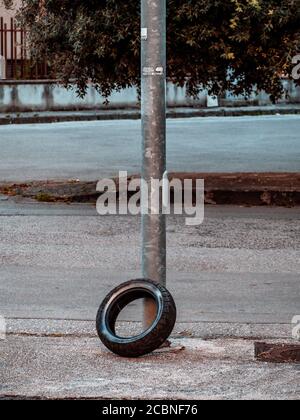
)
(217, 44)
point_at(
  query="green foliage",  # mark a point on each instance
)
(221, 45)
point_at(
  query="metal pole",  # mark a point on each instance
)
(153, 90)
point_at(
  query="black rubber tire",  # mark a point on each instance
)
(153, 337)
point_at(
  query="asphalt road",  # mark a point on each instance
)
(241, 266)
(92, 150)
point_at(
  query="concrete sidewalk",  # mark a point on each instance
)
(134, 114)
(80, 368)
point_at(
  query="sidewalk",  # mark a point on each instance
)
(79, 367)
(134, 114)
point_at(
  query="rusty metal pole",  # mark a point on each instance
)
(153, 91)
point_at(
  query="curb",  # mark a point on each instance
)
(246, 189)
(55, 117)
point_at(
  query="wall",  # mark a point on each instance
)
(292, 95)
(7, 14)
(45, 96)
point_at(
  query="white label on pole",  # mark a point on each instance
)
(148, 71)
(144, 34)
(153, 71)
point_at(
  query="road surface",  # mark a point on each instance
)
(93, 150)
(241, 265)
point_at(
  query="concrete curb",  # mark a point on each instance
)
(134, 114)
(193, 329)
(247, 189)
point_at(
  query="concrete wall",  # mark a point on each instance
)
(7, 14)
(46, 96)
(2, 68)
(291, 95)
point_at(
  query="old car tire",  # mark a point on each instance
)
(154, 336)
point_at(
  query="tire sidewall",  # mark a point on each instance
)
(148, 340)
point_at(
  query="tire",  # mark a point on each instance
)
(154, 336)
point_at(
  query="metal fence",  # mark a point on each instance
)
(14, 51)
